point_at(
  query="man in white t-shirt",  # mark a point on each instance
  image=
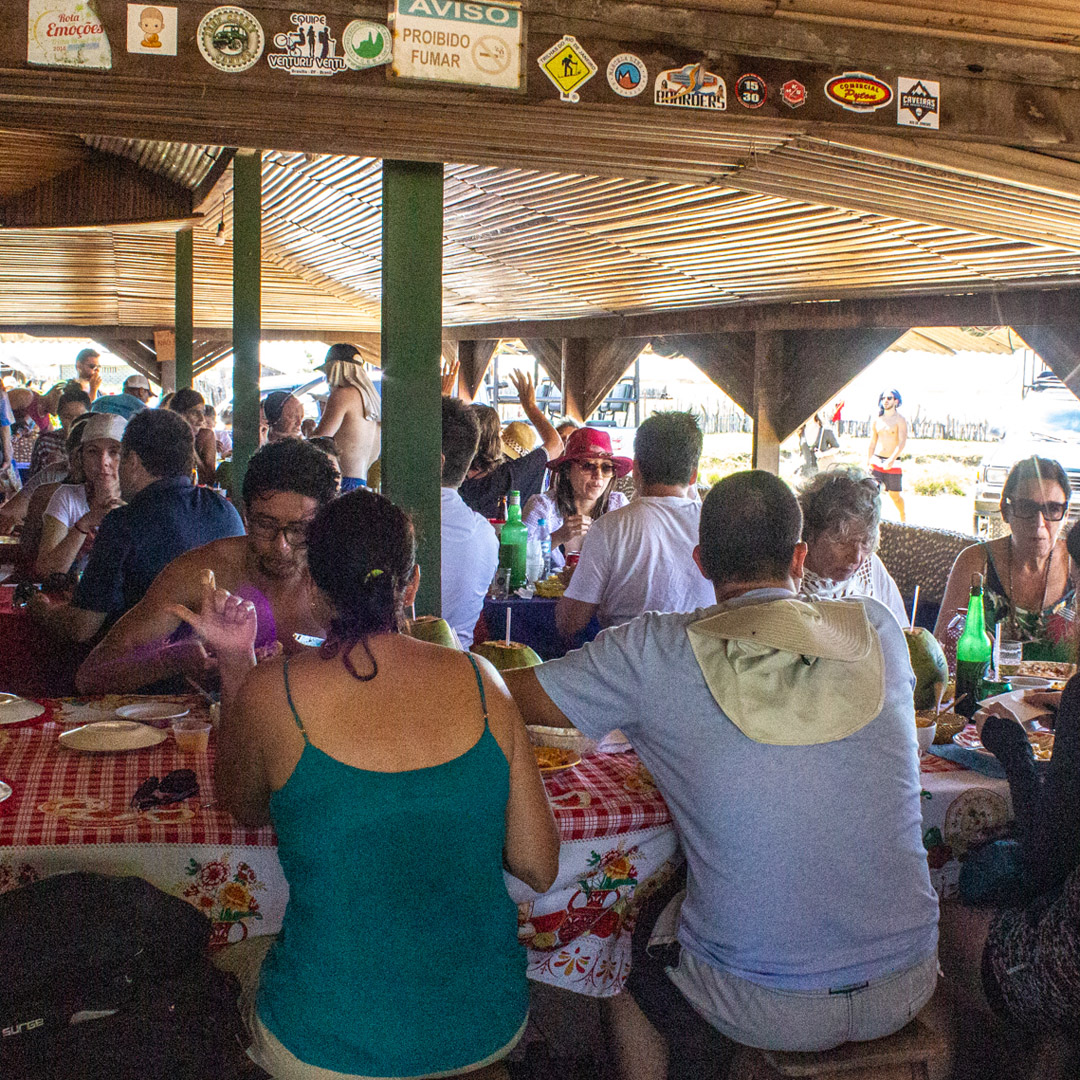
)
(470, 548)
(637, 559)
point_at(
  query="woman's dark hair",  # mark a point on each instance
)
(325, 443)
(563, 492)
(362, 554)
(460, 433)
(186, 399)
(290, 465)
(73, 393)
(1035, 468)
(162, 439)
(489, 451)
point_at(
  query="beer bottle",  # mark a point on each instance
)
(973, 652)
(514, 542)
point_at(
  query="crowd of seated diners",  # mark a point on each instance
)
(753, 653)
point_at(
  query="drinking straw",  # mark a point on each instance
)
(914, 607)
(997, 650)
(412, 612)
(508, 614)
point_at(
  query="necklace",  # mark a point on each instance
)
(1009, 589)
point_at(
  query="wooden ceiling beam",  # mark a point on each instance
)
(607, 366)
(137, 354)
(104, 190)
(1020, 95)
(209, 334)
(1059, 347)
(1048, 306)
(548, 354)
(727, 359)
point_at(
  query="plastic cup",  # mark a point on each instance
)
(1010, 656)
(192, 736)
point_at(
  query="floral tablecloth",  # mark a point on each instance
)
(70, 811)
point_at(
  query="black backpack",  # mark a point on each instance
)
(128, 964)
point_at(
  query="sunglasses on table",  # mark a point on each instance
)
(596, 468)
(1028, 509)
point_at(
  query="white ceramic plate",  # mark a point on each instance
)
(1042, 742)
(150, 711)
(111, 736)
(18, 710)
(1026, 714)
(1029, 682)
(5, 790)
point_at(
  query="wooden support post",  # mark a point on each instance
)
(412, 236)
(574, 364)
(165, 349)
(768, 356)
(183, 294)
(247, 314)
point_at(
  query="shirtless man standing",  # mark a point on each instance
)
(888, 437)
(285, 485)
(352, 414)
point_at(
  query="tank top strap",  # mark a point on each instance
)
(296, 715)
(992, 579)
(479, 686)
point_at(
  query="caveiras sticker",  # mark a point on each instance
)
(918, 103)
(66, 33)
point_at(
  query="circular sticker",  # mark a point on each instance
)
(365, 44)
(230, 39)
(627, 75)
(751, 91)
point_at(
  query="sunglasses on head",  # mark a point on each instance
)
(1029, 509)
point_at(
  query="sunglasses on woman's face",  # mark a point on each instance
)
(1029, 509)
(597, 468)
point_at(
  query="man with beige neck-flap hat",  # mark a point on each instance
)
(781, 733)
(352, 415)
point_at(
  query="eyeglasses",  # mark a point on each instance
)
(295, 532)
(596, 468)
(1028, 509)
(888, 397)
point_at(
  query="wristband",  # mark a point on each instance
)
(85, 532)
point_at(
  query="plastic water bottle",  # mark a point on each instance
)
(545, 546)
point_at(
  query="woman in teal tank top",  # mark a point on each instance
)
(399, 779)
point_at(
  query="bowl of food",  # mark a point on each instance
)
(948, 724)
(925, 728)
(561, 738)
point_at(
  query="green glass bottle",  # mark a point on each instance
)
(514, 542)
(973, 652)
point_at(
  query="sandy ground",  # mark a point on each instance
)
(929, 465)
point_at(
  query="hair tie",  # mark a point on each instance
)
(371, 574)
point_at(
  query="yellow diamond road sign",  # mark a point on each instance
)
(568, 66)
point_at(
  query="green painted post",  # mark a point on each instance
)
(247, 324)
(183, 298)
(412, 236)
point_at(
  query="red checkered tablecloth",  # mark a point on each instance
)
(605, 795)
(61, 797)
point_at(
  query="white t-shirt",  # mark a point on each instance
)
(68, 504)
(470, 556)
(639, 559)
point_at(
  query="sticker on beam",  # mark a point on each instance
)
(151, 30)
(858, 92)
(627, 75)
(918, 103)
(475, 44)
(309, 48)
(366, 45)
(66, 33)
(751, 91)
(690, 87)
(794, 93)
(568, 66)
(230, 39)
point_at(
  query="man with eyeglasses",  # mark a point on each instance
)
(888, 437)
(284, 487)
(640, 558)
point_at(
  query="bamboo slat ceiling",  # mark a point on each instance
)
(788, 218)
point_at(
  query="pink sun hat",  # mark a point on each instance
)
(585, 443)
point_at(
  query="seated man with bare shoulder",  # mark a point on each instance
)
(352, 416)
(284, 486)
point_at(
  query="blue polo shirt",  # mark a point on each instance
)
(135, 542)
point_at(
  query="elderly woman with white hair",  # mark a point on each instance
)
(841, 514)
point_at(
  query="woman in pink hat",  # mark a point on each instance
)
(582, 488)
